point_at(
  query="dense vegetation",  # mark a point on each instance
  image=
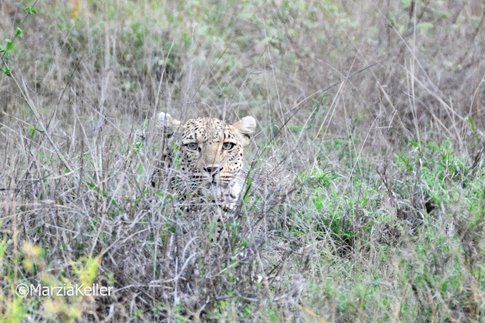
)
(366, 195)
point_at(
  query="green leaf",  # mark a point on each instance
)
(318, 202)
(32, 132)
(7, 71)
(9, 45)
(138, 147)
(31, 10)
(472, 124)
(19, 33)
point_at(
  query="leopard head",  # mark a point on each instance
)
(211, 151)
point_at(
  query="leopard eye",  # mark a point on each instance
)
(192, 146)
(228, 145)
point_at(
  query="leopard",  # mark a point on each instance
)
(203, 160)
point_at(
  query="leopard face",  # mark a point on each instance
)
(211, 154)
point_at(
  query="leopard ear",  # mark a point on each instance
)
(167, 124)
(166, 120)
(246, 127)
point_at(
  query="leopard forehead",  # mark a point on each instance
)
(208, 130)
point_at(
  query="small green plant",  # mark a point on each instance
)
(6, 50)
(9, 45)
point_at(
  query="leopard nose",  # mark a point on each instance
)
(213, 169)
